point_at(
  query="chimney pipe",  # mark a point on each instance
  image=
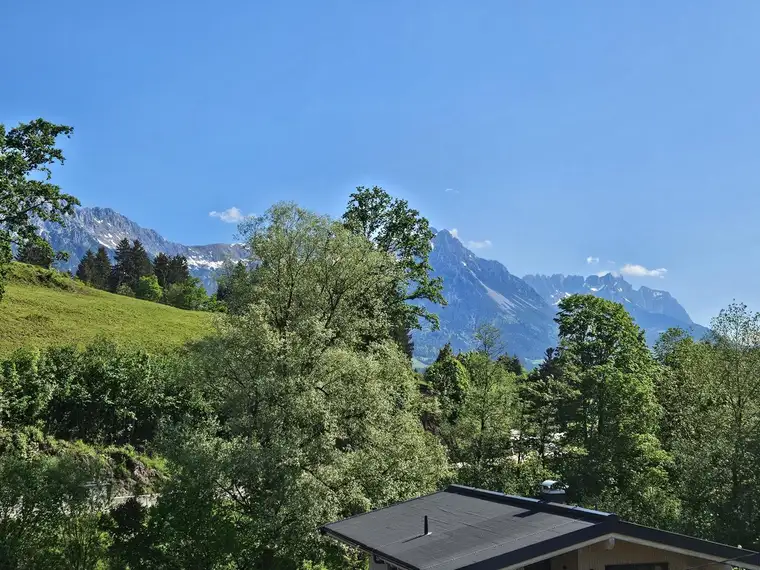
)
(427, 531)
(553, 492)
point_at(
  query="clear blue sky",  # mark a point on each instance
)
(627, 131)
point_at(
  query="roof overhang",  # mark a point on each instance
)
(604, 526)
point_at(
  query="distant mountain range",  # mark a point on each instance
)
(477, 290)
(483, 291)
(90, 228)
(653, 310)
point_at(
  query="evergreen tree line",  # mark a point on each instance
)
(164, 279)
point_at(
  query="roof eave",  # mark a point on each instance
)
(368, 549)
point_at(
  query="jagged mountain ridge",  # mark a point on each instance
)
(90, 228)
(653, 310)
(480, 291)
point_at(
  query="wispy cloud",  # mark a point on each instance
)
(603, 273)
(230, 215)
(479, 244)
(634, 270)
(592, 260)
(451, 191)
(454, 233)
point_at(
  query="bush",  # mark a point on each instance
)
(125, 290)
(36, 251)
(189, 294)
(148, 288)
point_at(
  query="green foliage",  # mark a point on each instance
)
(480, 441)
(95, 269)
(125, 289)
(85, 269)
(148, 288)
(178, 271)
(49, 518)
(402, 232)
(104, 394)
(188, 294)
(611, 454)
(131, 263)
(512, 364)
(316, 275)
(101, 269)
(36, 251)
(710, 392)
(449, 381)
(235, 287)
(46, 307)
(27, 153)
(302, 407)
(161, 269)
(141, 263)
(313, 423)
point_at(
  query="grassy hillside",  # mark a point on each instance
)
(44, 307)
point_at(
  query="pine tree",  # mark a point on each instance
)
(123, 269)
(36, 251)
(101, 269)
(402, 334)
(86, 268)
(161, 269)
(235, 287)
(141, 263)
(445, 352)
(179, 272)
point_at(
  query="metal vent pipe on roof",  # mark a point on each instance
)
(553, 492)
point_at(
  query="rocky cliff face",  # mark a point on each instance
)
(480, 291)
(90, 228)
(653, 310)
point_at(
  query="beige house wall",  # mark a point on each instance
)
(599, 555)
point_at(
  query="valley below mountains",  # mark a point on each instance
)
(477, 290)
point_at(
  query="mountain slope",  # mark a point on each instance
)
(90, 228)
(480, 291)
(44, 307)
(653, 310)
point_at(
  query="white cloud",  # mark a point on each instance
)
(454, 233)
(603, 273)
(451, 191)
(479, 244)
(230, 215)
(634, 270)
(592, 260)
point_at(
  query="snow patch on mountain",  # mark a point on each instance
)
(89, 228)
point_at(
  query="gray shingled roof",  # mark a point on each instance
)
(474, 529)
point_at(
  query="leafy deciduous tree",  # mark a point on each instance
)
(612, 456)
(36, 251)
(397, 229)
(27, 153)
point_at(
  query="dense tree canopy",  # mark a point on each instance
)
(302, 407)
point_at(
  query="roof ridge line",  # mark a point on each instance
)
(514, 500)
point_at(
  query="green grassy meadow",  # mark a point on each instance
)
(44, 307)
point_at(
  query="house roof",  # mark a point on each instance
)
(481, 530)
